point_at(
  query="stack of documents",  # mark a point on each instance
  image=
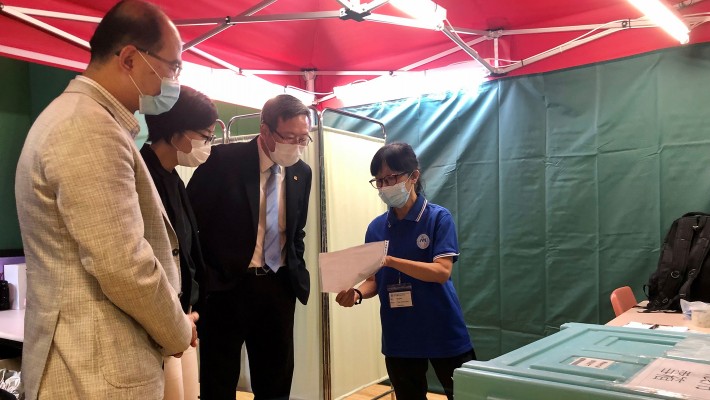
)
(343, 269)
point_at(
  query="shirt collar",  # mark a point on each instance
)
(415, 213)
(124, 117)
(265, 162)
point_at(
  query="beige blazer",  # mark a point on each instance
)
(102, 264)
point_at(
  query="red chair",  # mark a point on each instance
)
(622, 299)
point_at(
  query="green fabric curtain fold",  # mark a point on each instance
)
(562, 184)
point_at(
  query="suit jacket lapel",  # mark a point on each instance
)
(292, 184)
(251, 175)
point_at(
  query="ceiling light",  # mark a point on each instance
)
(467, 76)
(662, 16)
(423, 10)
(230, 87)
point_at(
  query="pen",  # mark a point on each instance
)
(655, 326)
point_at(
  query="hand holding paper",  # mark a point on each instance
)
(341, 270)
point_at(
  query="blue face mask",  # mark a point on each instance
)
(154, 105)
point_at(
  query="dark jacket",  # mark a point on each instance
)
(227, 212)
(192, 266)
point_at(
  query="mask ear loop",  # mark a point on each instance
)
(414, 183)
(409, 177)
(172, 138)
(192, 147)
(150, 66)
(134, 84)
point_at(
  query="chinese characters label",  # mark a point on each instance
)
(682, 377)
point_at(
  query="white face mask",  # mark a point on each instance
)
(286, 154)
(199, 154)
(396, 195)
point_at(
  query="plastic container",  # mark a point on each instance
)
(581, 362)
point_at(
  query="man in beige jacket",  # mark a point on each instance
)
(102, 276)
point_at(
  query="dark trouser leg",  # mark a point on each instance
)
(270, 339)
(408, 376)
(221, 338)
(444, 369)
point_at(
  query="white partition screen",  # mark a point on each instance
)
(351, 203)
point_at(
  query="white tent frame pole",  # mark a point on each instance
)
(358, 7)
(441, 55)
(207, 35)
(227, 24)
(245, 19)
(333, 73)
(467, 49)
(618, 26)
(51, 14)
(451, 33)
(556, 50)
(33, 55)
(13, 11)
(215, 60)
(692, 20)
(308, 16)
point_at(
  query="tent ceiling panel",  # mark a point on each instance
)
(284, 38)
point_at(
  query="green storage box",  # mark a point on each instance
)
(589, 362)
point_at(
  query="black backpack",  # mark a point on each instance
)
(682, 272)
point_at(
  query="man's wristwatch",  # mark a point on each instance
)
(359, 295)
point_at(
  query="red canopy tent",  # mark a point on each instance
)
(279, 40)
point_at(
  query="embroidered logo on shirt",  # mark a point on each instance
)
(423, 241)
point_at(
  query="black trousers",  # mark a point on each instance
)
(258, 312)
(408, 375)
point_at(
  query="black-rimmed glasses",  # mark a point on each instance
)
(388, 180)
(208, 138)
(175, 66)
(299, 140)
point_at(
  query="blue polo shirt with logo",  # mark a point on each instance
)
(433, 327)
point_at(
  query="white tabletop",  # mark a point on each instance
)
(12, 325)
(636, 314)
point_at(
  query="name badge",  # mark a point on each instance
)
(400, 295)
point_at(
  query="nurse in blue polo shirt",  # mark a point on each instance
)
(420, 312)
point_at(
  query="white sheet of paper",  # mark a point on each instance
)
(342, 269)
(642, 325)
(690, 379)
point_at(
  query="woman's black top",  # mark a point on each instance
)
(177, 205)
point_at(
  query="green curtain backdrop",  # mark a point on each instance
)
(562, 184)
(26, 90)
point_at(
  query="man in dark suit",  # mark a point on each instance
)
(249, 299)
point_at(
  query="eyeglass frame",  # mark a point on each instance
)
(175, 66)
(294, 138)
(382, 183)
(208, 138)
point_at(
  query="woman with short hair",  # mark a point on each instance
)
(181, 136)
